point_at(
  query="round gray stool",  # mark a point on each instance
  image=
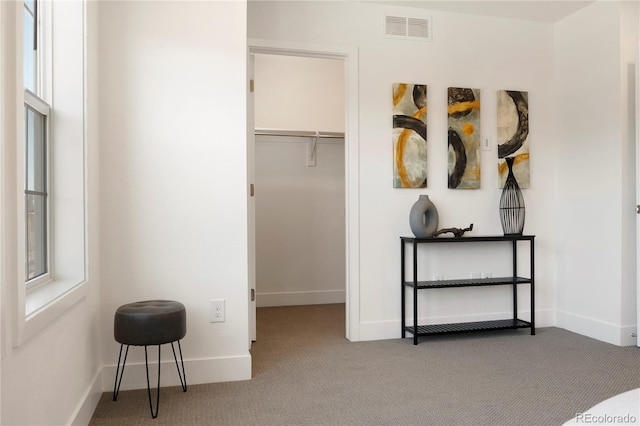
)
(150, 323)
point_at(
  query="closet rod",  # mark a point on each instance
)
(299, 133)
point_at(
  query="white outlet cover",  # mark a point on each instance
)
(216, 310)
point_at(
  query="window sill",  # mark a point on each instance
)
(46, 303)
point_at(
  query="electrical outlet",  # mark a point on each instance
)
(216, 310)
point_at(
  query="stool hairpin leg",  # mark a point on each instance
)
(183, 375)
(146, 363)
(116, 385)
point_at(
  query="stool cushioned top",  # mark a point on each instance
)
(150, 322)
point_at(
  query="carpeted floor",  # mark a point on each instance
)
(306, 373)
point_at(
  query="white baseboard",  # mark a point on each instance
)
(210, 370)
(383, 330)
(628, 335)
(300, 298)
(596, 329)
(83, 414)
(198, 371)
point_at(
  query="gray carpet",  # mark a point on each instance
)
(306, 373)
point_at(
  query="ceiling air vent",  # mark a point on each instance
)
(407, 28)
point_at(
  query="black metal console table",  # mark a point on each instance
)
(514, 280)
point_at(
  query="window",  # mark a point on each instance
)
(36, 143)
(30, 45)
(36, 198)
(51, 200)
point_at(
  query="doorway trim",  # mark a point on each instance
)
(352, 172)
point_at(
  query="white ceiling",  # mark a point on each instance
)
(533, 10)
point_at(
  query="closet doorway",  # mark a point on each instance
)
(300, 187)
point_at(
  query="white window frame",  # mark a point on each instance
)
(36, 103)
(39, 101)
(39, 305)
(37, 63)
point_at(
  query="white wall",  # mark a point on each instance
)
(53, 377)
(594, 81)
(297, 93)
(173, 174)
(300, 222)
(485, 53)
(300, 216)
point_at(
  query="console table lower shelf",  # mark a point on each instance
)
(464, 327)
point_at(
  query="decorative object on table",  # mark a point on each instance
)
(513, 135)
(511, 204)
(409, 135)
(457, 232)
(423, 218)
(463, 110)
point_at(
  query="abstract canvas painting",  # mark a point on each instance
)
(513, 135)
(463, 110)
(409, 135)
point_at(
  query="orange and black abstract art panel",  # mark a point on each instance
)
(513, 135)
(409, 135)
(463, 111)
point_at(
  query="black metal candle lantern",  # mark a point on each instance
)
(511, 204)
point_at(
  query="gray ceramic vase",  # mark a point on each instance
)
(423, 218)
